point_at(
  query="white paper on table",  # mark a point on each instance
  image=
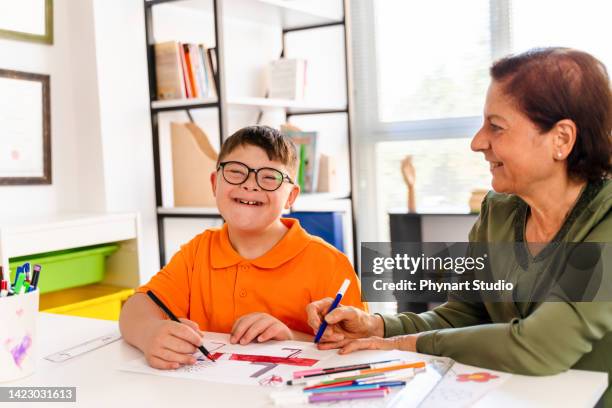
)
(463, 385)
(229, 371)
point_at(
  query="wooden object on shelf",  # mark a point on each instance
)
(193, 160)
(287, 79)
(328, 180)
(476, 200)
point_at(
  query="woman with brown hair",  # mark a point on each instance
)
(547, 137)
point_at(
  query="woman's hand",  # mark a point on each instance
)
(259, 326)
(404, 343)
(168, 345)
(344, 322)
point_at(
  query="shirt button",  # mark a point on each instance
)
(244, 267)
(243, 293)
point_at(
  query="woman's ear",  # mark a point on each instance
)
(565, 132)
(213, 183)
(293, 195)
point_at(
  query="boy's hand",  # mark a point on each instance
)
(169, 344)
(259, 326)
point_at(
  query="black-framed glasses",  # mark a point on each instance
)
(267, 178)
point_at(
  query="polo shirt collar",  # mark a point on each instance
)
(223, 255)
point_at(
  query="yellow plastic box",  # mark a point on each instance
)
(94, 301)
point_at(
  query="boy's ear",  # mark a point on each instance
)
(213, 183)
(293, 195)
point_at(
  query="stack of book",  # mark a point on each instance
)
(184, 70)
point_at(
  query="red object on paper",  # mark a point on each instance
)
(304, 362)
(476, 377)
(308, 362)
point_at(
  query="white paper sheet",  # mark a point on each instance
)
(463, 385)
(280, 360)
(436, 386)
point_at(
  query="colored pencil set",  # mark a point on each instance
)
(351, 382)
(26, 280)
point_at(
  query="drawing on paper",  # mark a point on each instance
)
(268, 364)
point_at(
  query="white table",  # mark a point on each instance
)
(100, 384)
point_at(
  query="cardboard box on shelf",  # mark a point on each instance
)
(193, 160)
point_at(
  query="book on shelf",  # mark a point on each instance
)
(187, 84)
(193, 88)
(184, 70)
(287, 78)
(306, 145)
(209, 58)
(169, 71)
(212, 57)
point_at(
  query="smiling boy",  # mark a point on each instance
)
(254, 276)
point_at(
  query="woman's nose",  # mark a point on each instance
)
(479, 141)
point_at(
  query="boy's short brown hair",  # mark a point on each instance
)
(276, 145)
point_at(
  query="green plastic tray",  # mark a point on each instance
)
(68, 268)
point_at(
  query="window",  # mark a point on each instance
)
(431, 64)
(583, 24)
(433, 56)
(421, 82)
(440, 187)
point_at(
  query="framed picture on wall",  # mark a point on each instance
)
(27, 20)
(25, 128)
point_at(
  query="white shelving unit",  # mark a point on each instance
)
(251, 102)
(288, 14)
(179, 103)
(284, 104)
(33, 235)
(222, 16)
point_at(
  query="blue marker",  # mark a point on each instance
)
(334, 305)
(19, 272)
(26, 268)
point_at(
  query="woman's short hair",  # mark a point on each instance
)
(551, 84)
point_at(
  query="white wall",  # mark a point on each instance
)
(65, 61)
(127, 153)
(100, 125)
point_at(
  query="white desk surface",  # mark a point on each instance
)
(100, 384)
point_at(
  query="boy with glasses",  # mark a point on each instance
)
(254, 276)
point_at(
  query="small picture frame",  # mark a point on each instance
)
(25, 128)
(27, 20)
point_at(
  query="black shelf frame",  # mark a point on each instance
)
(219, 105)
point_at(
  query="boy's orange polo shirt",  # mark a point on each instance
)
(208, 282)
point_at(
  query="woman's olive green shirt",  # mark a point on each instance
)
(526, 338)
